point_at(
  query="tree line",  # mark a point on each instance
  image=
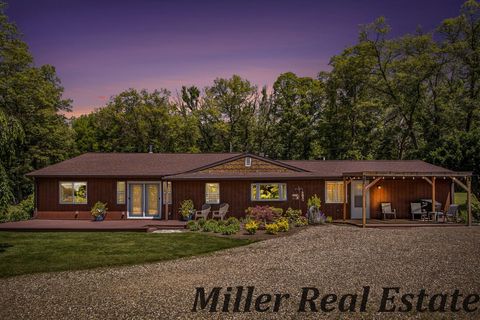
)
(414, 96)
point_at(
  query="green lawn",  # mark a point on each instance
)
(30, 252)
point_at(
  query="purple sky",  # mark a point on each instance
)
(100, 48)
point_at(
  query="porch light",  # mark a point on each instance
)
(403, 178)
(379, 187)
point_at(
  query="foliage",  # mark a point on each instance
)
(193, 225)
(301, 221)
(412, 96)
(329, 219)
(316, 217)
(201, 222)
(229, 229)
(186, 208)
(271, 228)
(99, 209)
(461, 199)
(252, 226)
(210, 226)
(314, 201)
(232, 221)
(262, 214)
(33, 132)
(277, 211)
(283, 225)
(23, 211)
(292, 214)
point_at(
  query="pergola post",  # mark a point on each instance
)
(364, 202)
(344, 199)
(345, 194)
(434, 202)
(469, 201)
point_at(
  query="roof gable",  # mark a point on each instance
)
(236, 164)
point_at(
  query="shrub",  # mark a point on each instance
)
(283, 225)
(271, 228)
(222, 222)
(277, 211)
(252, 226)
(14, 213)
(292, 214)
(475, 209)
(316, 217)
(232, 221)
(329, 219)
(201, 222)
(28, 205)
(301, 221)
(210, 225)
(99, 209)
(193, 226)
(228, 229)
(263, 214)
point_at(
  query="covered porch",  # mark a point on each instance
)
(400, 189)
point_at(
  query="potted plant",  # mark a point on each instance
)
(99, 210)
(186, 209)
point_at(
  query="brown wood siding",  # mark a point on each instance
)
(401, 193)
(238, 166)
(98, 189)
(237, 194)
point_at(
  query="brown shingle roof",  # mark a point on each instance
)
(130, 164)
(336, 168)
(183, 166)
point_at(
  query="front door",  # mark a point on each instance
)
(144, 200)
(356, 200)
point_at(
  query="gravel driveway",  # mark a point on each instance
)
(333, 259)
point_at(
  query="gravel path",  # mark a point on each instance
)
(334, 259)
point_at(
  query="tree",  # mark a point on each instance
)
(34, 133)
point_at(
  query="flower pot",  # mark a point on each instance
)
(99, 218)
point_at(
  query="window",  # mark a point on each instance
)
(73, 192)
(335, 192)
(167, 192)
(269, 191)
(248, 162)
(120, 192)
(212, 193)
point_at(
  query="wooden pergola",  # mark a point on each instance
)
(429, 177)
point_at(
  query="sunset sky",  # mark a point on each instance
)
(100, 48)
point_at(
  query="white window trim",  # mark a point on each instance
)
(124, 192)
(73, 188)
(212, 202)
(248, 161)
(282, 191)
(326, 190)
(160, 211)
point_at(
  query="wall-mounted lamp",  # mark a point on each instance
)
(379, 187)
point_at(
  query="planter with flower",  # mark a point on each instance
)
(186, 210)
(99, 210)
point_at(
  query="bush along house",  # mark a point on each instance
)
(152, 185)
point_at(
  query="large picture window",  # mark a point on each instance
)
(73, 192)
(269, 192)
(121, 192)
(335, 192)
(212, 193)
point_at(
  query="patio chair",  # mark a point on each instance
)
(416, 209)
(203, 213)
(451, 214)
(221, 212)
(387, 210)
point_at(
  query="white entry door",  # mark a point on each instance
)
(356, 200)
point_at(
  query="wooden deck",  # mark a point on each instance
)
(88, 225)
(397, 223)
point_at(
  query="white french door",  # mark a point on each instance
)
(144, 200)
(356, 200)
